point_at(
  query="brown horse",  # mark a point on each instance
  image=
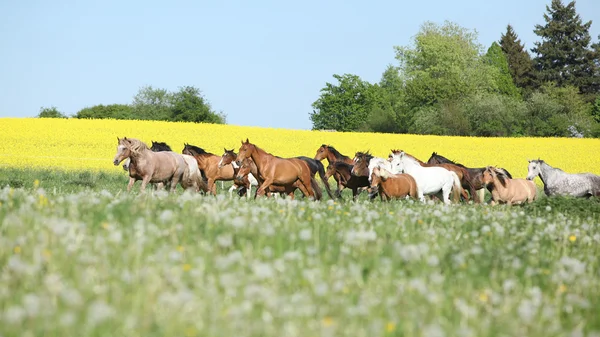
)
(151, 167)
(507, 190)
(476, 174)
(249, 167)
(332, 155)
(347, 179)
(209, 164)
(461, 172)
(243, 186)
(277, 171)
(397, 186)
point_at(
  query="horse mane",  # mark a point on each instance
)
(434, 154)
(162, 145)
(333, 150)
(197, 149)
(136, 145)
(410, 156)
(500, 175)
(540, 161)
(366, 154)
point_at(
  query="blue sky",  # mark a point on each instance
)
(261, 62)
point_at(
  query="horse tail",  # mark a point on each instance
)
(413, 187)
(457, 188)
(472, 191)
(321, 171)
(316, 188)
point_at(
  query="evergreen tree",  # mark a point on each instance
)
(503, 79)
(519, 61)
(563, 55)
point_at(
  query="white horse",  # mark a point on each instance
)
(430, 180)
(558, 182)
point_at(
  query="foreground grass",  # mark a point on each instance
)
(90, 260)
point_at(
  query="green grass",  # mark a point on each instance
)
(81, 257)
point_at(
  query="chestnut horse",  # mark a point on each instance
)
(332, 155)
(388, 185)
(249, 167)
(347, 179)
(277, 171)
(209, 164)
(151, 167)
(507, 190)
(461, 172)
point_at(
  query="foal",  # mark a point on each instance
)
(397, 186)
(506, 190)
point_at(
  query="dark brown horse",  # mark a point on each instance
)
(461, 172)
(277, 171)
(332, 155)
(476, 174)
(392, 186)
(347, 179)
(209, 164)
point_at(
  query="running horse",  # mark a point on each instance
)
(461, 172)
(476, 174)
(209, 164)
(347, 179)
(152, 167)
(244, 185)
(507, 190)
(559, 182)
(392, 186)
(332, 155)
(278, 171)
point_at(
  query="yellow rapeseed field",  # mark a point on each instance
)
(75, 144)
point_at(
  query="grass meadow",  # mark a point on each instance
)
(79, 256)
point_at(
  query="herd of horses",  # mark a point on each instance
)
(399, 176)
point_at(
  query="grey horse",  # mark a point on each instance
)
(558, 182)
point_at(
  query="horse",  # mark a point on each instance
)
(277, 171)
(430, 180)
(332, 155)
(151, 167)
(209, 164)
(365, 162)
(244, 185)
(558, 182)
(249, 167)
(347, 179)
(461, 172)
(156, 147)
(507, 190)
(388, 186)
(476, 174)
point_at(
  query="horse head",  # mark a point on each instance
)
(227, 158)
(534, 168)
(123, 150)
(361, 164)
(245, 151)
(321, 152)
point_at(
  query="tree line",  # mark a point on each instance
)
(185, 105)
(445, 84)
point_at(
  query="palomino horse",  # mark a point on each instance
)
(277, 171)
(430, 180)
(476, 174)
(228, 158)
(558, 182)
(347, 179)
(209, 164)
(249, 167)
(509, 191)
(151, 167)
(388, 186)
(461, 172)
(156, 147)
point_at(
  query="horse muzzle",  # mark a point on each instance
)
(116, 162)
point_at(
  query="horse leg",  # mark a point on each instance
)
(481, 195)
(130, 185)
(212, 187)
(261, 190)
(145, 181)
(231, 189)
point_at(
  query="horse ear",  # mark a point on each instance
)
(247, 141)
(224, 149)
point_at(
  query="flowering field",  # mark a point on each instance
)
(91, 144)
(100, 263)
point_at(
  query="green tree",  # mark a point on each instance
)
(496, 57)
(519, 62)
(444, 64)
(563, 54)
(114, 111)
(596, 110)
(152, 104)
(189, 105)
(343, 107)
(51, 112)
